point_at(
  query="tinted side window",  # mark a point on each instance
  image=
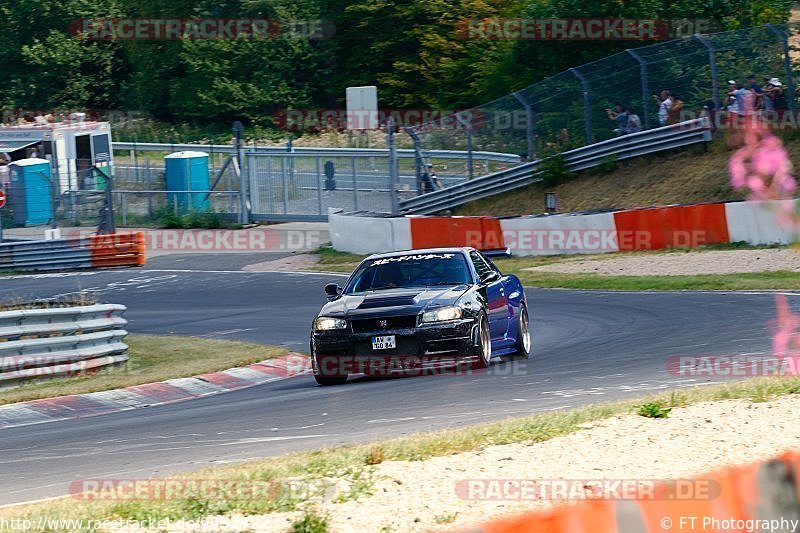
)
(491, 264)
(481, 267)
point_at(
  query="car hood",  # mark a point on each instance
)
(393, 302)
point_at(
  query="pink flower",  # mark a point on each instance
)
(737, 169)
(787, 334)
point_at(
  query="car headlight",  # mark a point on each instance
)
(324, 323)
(442, 314)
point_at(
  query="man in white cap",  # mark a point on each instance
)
(776, 95)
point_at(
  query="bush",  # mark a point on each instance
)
(555, 171)
(166, 217)
(609, 163)
(311, 522)
(653, 410)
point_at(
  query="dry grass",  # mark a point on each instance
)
(687, 176)
(152, 358)
(679, 177)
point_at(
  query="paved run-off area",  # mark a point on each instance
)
(680, 263)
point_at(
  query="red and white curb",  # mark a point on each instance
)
(152, 394)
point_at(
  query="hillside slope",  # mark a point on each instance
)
(685, 176)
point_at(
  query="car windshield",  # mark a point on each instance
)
(413, 270)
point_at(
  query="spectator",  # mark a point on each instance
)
(620, 116)
(755, 89)
(634, 122)
(674, 114)
(737, 103)
(429, 180)
(767, 99)
(777, 94)
(664, 106)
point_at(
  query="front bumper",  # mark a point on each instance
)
(427, 346)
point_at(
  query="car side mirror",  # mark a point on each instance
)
(333, 290)
(490, 277)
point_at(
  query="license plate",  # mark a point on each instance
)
(383, 342)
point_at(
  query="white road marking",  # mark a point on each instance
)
(255, 440)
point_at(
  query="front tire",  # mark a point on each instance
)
(523, 344)
(326, 381)
(484, 350)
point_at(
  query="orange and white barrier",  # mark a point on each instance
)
(755, 497)
(653, 228)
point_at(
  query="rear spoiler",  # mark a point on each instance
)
(497, 252)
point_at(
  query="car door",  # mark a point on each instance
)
(496, 297)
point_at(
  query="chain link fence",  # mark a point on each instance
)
(569, 109)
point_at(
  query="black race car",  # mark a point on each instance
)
(419, 309)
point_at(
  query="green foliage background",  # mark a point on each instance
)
(409, 48)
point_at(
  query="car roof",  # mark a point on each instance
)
(449, 250)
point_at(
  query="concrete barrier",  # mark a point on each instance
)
(561, 234)
(759, 222)
(634, 229)
(368, 235)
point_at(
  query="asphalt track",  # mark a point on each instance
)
(589, 347)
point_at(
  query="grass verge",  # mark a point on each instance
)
(152, 358)
(729, 282)
(334, 261)
(354, 464)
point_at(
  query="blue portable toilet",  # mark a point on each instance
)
(187, 171)
(30, 194)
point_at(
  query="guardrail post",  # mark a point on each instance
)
(787, 64)
(645, 87)
(149, 178)
(528, 121)
(284, 186)
(712, 62)
(417, 157)
(355, 183)
(587, 110)
(238, 128)
(393, 170)
(468, 129)
(319, 185)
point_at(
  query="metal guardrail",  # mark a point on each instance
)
(37, 344)
(624, 147)
(124, 249)
(311, 151)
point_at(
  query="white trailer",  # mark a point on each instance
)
(73, 147)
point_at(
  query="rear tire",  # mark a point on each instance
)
(484, 350)
(326, 381)
(523, 344)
